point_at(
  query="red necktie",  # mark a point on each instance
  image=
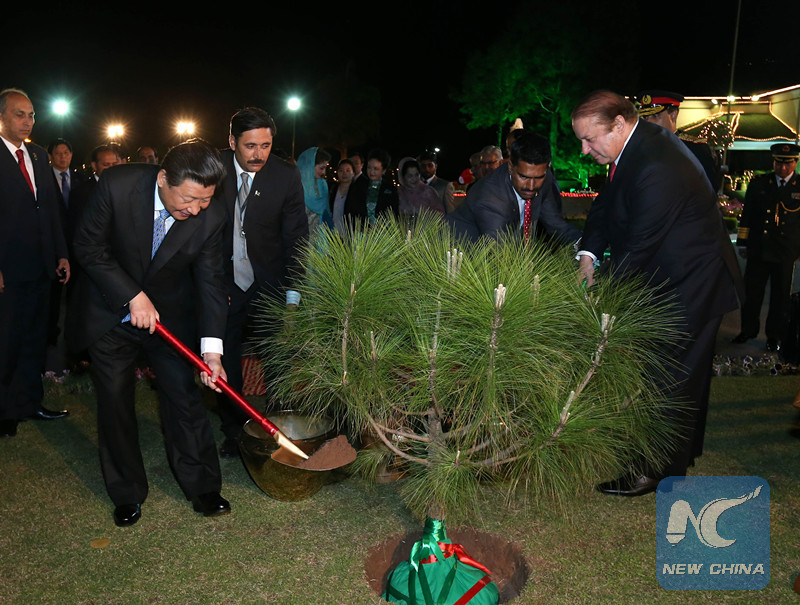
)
(21, 159)
(526, 220)
(611, 171)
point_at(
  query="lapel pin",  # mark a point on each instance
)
(257, 193)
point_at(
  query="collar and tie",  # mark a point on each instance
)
(21, 160)
(611, 170)
(242, 269)
(782, 182)
(526, 220)
(159, 230)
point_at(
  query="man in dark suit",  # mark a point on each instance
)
(67, 179)
(515, 196)
(103, 156)
(659, 216)
(129, 282)
(267, 226)
(769, 238)
(428, 164)
(33, 252)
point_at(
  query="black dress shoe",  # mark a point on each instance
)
(211, 504)
(229, 448)
(740, 339)
(772, 345)
(126, 515)
(42, 413)
(629, 485)
(8, 428)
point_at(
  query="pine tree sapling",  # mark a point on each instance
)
(475, 364)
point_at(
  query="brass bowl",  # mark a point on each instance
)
(278, 480)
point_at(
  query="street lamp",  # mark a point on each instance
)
(293, 104)
(61, 109)
(115, 131)
(185, 129)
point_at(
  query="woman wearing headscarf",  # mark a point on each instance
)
(312, 164)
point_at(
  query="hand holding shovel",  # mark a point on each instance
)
(283, 442)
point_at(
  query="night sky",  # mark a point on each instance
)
(149, 66)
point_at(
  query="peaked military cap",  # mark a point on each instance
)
(651, 102)
(785, 152)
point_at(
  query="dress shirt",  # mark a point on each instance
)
(520, 202)
(12, 149)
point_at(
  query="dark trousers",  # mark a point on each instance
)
(24, 308)
(188, 437)
(232, 417)
(692, 379)
(238, 337)
(756, 274)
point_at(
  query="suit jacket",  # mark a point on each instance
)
(355, 205)
(491, 207)
(660, 218)
(113, 243)
(79, 199)
(275, 222)
(770, 223)
(446, 192)
(31, 233)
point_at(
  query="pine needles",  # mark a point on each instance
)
(474, 364)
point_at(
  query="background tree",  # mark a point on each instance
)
(547, 57)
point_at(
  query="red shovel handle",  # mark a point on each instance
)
(224, 386)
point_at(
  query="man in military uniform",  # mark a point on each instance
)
(661, 107)
(769, 238)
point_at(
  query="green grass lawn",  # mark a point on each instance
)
(53, 507)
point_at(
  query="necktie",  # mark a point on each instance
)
(242, 269)
(611, 170)
(65, 187)
(159, 231)
(526, 220)
(21, 160)
(781, 183)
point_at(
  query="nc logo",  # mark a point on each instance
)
(705, 523)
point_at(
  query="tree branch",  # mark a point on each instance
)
(376, 427)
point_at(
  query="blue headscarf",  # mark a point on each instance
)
(316, 190)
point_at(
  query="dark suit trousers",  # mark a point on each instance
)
(692, 376)
(23, 345)
(756, 274)
(238, 334)
(232, 417)
(188, 437)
